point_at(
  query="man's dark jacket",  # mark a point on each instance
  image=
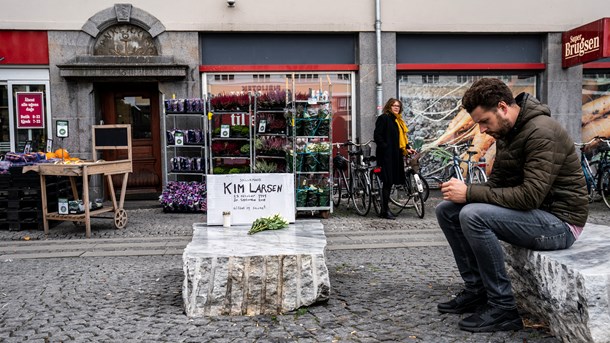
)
(536, 167)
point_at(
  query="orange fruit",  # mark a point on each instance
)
(50, 155)
(62, 153)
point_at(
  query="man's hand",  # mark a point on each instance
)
(454, 190)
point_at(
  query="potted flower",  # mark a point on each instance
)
(179, 196)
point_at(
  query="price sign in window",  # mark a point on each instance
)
(30, 110)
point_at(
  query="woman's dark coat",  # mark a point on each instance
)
(388, 154)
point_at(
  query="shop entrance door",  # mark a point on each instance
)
(136, 104)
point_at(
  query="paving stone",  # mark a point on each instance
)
(376, 295)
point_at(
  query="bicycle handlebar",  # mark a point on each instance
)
(596, 138)
(350, 143)
(447, 145)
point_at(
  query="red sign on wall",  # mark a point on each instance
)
(586, 43)
(30, 110)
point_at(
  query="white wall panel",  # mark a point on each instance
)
(319, 15)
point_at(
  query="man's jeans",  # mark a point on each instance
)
(473, 232)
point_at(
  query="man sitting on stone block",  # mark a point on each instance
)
(536, 198)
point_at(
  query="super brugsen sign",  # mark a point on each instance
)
(30, 110)
(586, 43)
(250, 196)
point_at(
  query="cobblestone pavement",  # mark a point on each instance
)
(379, 293)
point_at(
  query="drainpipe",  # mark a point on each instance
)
(378, 86)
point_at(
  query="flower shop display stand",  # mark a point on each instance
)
(185, 143)
(106, 136)
(311, 126)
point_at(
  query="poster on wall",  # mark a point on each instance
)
(250, 196)
(435, 117)
(30, 110)
(595, 108)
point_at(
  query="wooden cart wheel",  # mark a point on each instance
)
(120, 218)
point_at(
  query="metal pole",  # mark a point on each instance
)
(379, 83)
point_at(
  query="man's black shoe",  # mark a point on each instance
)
(463, 302)
(491, 319)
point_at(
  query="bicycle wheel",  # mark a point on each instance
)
(361, 193)
(338, 176)
(604, 186)
(477, 175)
(418, 204)
(399, 199)
(416, 194)
(376, 192)
(426, 189)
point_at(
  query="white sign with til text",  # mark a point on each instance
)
(250, 196)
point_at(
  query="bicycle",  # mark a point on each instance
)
(598, 182)
(357, 183)
(475, 170)
(400, 195)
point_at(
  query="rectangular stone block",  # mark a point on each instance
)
(569, 288)
(228, 272)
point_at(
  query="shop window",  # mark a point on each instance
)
(224, 77)
(343, 77)
(303, 76)
(429, 78)
(261, 77)
(595, 105)
(135, 111)
(433, 108)
(342, 97)
(36, 136)
(467, 78)
(5, 140)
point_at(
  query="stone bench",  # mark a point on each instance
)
(570, 289)
(228, 272)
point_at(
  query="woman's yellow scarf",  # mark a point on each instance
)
(403, 140)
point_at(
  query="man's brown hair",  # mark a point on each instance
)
(487, 93)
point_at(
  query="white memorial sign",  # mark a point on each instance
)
(249, 197)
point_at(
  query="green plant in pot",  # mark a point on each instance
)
(240, 131)
(312, 196)
(245, 149)
(301, 196)
(322, 152)
(219, 170)
(265, 167)
(324, 196)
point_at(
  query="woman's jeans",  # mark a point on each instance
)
(473, 232)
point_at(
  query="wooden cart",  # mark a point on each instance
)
(105, 137)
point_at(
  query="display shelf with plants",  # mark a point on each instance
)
(310, 134)
(230, 134)
(185, 140)
(270, 134)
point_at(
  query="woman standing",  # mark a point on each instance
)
(392, 145)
